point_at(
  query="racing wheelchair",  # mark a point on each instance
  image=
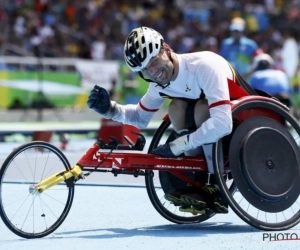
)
(256, 168)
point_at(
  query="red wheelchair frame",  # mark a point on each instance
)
(130, 159)
(132, 162)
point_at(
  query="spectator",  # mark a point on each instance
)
(190, 26)
(272, 81)
(239, 49)
(98, 48)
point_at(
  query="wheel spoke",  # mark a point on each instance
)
(45, 167)
(21, 172)
(45, 194)
(20, 207)
(29, 166)
(28, 212)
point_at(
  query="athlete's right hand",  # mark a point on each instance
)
(99, 100)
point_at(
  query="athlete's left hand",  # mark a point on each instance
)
(174, 148)
(163, 150)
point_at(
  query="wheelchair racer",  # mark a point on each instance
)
(200, 84)
(270, 80)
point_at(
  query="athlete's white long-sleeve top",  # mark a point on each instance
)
(198, 71)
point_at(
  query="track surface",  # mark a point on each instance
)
(119, 215)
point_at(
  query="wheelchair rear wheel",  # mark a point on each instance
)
(266, 168)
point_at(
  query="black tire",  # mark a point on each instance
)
(235, 206)
(69, 190)
(158, 202)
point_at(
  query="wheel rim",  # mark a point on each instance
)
(24, 211)
(241, 206)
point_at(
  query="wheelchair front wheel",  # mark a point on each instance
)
(26, 213)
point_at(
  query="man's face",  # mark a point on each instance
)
(236, 34)
(159, 68)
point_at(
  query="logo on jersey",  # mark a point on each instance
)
(187, 89)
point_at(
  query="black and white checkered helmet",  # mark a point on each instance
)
(141, 45)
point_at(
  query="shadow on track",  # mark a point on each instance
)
(160, 231)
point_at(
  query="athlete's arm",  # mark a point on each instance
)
(139, 115)
(212, 77)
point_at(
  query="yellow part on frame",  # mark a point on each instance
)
(57, 178)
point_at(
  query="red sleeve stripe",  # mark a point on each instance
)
(215, 104)
(148, 110)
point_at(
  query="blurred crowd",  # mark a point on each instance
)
(97, 29)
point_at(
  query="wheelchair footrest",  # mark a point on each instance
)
(192, 210)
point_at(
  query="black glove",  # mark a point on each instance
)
(163, 150)
(174, 148)
(99, 100)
